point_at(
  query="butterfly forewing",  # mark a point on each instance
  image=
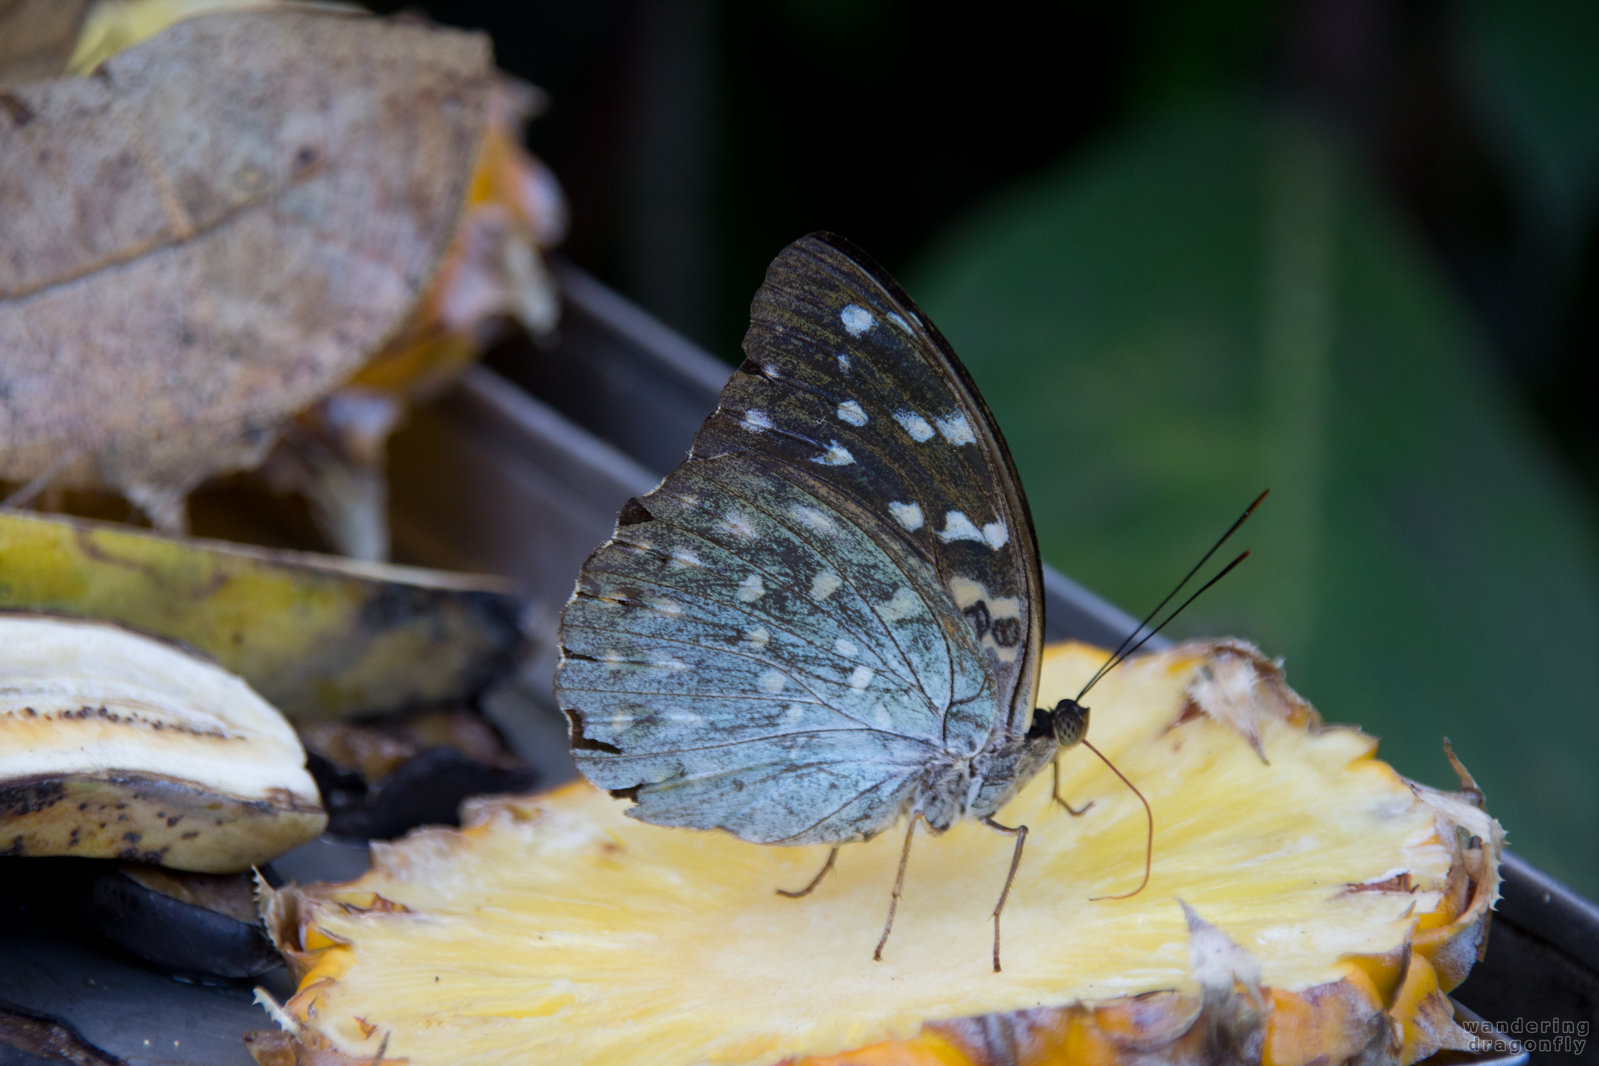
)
(836, 590)
(846, 376)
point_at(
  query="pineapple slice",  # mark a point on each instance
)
(1306, 903)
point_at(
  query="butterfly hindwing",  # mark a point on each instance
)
(837, 589)
(743, 646)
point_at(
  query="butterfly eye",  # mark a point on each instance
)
(1071, 723)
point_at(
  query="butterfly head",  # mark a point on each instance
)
(1068, 723)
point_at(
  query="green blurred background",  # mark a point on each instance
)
(1341, 248)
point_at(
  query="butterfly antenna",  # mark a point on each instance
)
(1121, 656)
(1133, 641)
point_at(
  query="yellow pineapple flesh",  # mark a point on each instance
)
(1305, 901)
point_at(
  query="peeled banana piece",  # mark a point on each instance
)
(116, 745)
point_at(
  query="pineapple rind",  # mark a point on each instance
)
(554, 927)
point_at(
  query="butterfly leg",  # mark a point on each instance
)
(1075, 812)
(827, 866)
(899, 884)
(1020, 833)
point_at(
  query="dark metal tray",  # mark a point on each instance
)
(520, 472)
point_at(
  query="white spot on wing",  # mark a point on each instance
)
(958, 527)
(836, 455)
(757, 421)
(857, 320)
(675, 665)
(915, 425)
(845, 647)
(794, 714)
(682, 558)
(843, 361)
(751, 589)
(666, 606)
(908, 515)
(771, 681)
(757, 636)
(738, 524)
(825, 585)
(956, 429)
(903, 605)
(851, 412)
(861, 677)
(966, 591)
(811, 518)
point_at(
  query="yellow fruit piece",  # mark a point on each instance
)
(318, 636)
(114, 745)
(553, 928)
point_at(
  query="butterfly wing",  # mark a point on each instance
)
(771, 643)
(745, 654)
(852, 379)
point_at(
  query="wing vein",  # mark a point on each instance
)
(816, 698)
(656, 753)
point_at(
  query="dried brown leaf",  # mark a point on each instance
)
(213, 230)
(36, 37)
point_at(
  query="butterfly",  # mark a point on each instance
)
(829, 616)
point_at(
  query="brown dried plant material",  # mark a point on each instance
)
(492, 272)
(36, 37)
(213, 230)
